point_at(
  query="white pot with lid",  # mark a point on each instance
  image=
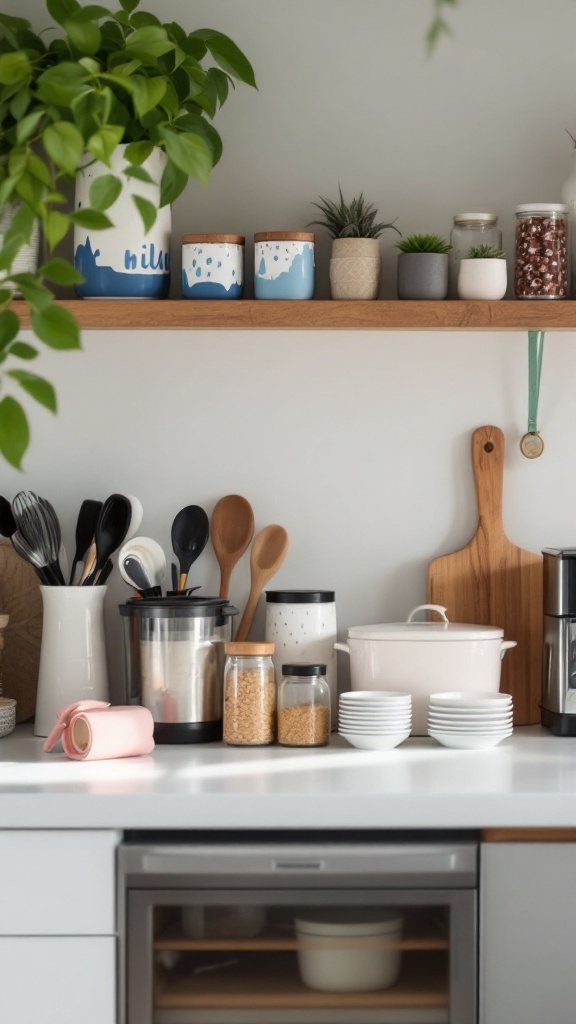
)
(422, 658)
(349, 950)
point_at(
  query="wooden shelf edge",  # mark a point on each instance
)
(529, 835)
(251, 314)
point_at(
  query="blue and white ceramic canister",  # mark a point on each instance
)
(284, 265)
(212, 266)
(124, 261)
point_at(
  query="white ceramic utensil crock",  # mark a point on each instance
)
(73, 652)
(422, 658)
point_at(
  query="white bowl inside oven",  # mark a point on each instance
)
(347, 951)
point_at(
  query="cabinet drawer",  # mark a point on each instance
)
(58, 980)
(57, 882)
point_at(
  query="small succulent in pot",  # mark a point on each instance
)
(485, 252)
(482, 274)
(424, 243)
(423, 267)
(355, 263)
(350, 220)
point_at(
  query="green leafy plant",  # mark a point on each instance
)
(485, 252)
(350, 220)
(438, 27)
(108, 77)
(424, 243)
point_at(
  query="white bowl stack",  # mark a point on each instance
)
(470, 720)
(375, 719)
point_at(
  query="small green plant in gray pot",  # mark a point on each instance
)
(355, 264)
(483, 275)
(423, 267)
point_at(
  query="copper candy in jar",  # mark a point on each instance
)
(541, 265)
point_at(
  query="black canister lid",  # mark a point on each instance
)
(299, 596)
(301, 669)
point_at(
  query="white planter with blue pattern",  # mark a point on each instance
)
(123, 261)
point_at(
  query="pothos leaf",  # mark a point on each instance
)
(14, 431)
(39, 389)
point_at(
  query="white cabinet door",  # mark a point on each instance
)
(58, 882)
(527, 933)
(57, 980)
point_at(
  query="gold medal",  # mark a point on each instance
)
(532, 445)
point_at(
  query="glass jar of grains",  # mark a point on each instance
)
(303, 706)
(249, 717)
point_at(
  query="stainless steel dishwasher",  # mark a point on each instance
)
(225, 929)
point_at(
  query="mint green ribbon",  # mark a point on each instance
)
(535, 353)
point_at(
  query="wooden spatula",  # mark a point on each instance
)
(493, 582)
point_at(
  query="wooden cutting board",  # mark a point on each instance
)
(493, 582)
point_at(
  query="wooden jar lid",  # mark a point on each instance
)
(284, 236)
(248, 648)
(229, 239)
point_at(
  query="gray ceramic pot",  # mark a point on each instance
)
(422, 275)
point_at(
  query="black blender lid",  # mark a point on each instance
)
(299, 596)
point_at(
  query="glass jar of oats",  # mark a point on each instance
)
(249, 694)
(303, 706)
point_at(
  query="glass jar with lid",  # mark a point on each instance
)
(470, 229)
(303, 706)
(249, 716)
(541, 267)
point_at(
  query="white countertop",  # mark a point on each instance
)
(529, 780)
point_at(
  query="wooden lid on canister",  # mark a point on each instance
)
(229, 239)
(284, 236)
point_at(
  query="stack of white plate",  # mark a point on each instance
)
(470, 720)
(375, 719)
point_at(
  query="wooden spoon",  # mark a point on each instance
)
(231, 530)
(268, 552)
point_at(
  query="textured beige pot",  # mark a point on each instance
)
(355, 268)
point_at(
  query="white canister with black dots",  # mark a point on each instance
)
(302, 626)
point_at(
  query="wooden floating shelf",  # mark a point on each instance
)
(251, 314)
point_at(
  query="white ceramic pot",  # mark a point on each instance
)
(422, 658)
(302, 626)
(124, 261)
(72, 653)
(482, 279)
(348, 953)
(26, 262)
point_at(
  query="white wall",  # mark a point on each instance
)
(357, 442)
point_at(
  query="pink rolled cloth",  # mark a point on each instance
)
(92, 730)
